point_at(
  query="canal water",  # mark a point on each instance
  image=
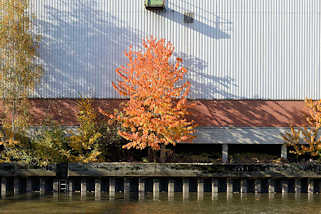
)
(219, 203)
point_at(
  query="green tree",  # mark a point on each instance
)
(18, 76)
(85, 141)
(18, 71)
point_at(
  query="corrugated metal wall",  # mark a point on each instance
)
(235, 49)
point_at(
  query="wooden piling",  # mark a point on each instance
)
(257, 186)
(126, 188)
(156, 188)
(112, 187)
(271, 185)
(70, 185)
(97, 189)
(310, 185)
(55, 185)
(29, 184)
(285, 186)
(42, 185)
(83, 186)
(185, 188)
(297, 185)
(243, 185)
(200, 188)
(214, 185)
(3, 187)
(16, 185)
(141, 185)
(229, 185)
(141, 188)
(170, 189)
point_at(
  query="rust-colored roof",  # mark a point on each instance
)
(234, 113)
(249, 113)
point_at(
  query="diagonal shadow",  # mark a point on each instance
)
(77, 41)
(213, 31)
(205, 85)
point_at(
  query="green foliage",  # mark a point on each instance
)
(94, 140)
(111, 142)
(13, 146)
(85, 142)
(306, 140)
(18, 76)
(18, 71)
(50, 145)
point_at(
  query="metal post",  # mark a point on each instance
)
(284, 151)
(225, 153)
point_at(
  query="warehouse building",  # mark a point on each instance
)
(251, 63)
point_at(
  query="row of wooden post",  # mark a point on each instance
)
(156, 186)
(16, 185)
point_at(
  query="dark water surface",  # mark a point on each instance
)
(220, 203)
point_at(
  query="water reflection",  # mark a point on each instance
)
(271, 196)
(166, 203)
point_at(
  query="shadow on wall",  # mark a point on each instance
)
(81, 47)
(203, 84)
(246, 121)
(249, 113)
(212, 30)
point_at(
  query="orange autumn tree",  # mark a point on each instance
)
(307, 139)
(157, 106)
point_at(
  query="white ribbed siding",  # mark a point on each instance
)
(235, 49)
(240, 135)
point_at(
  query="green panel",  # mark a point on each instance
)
(154, 3)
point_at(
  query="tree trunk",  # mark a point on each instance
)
(162, 156)
(13, 118)
(152, 155)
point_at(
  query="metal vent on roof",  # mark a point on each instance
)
(155, 4)
(188, 17)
